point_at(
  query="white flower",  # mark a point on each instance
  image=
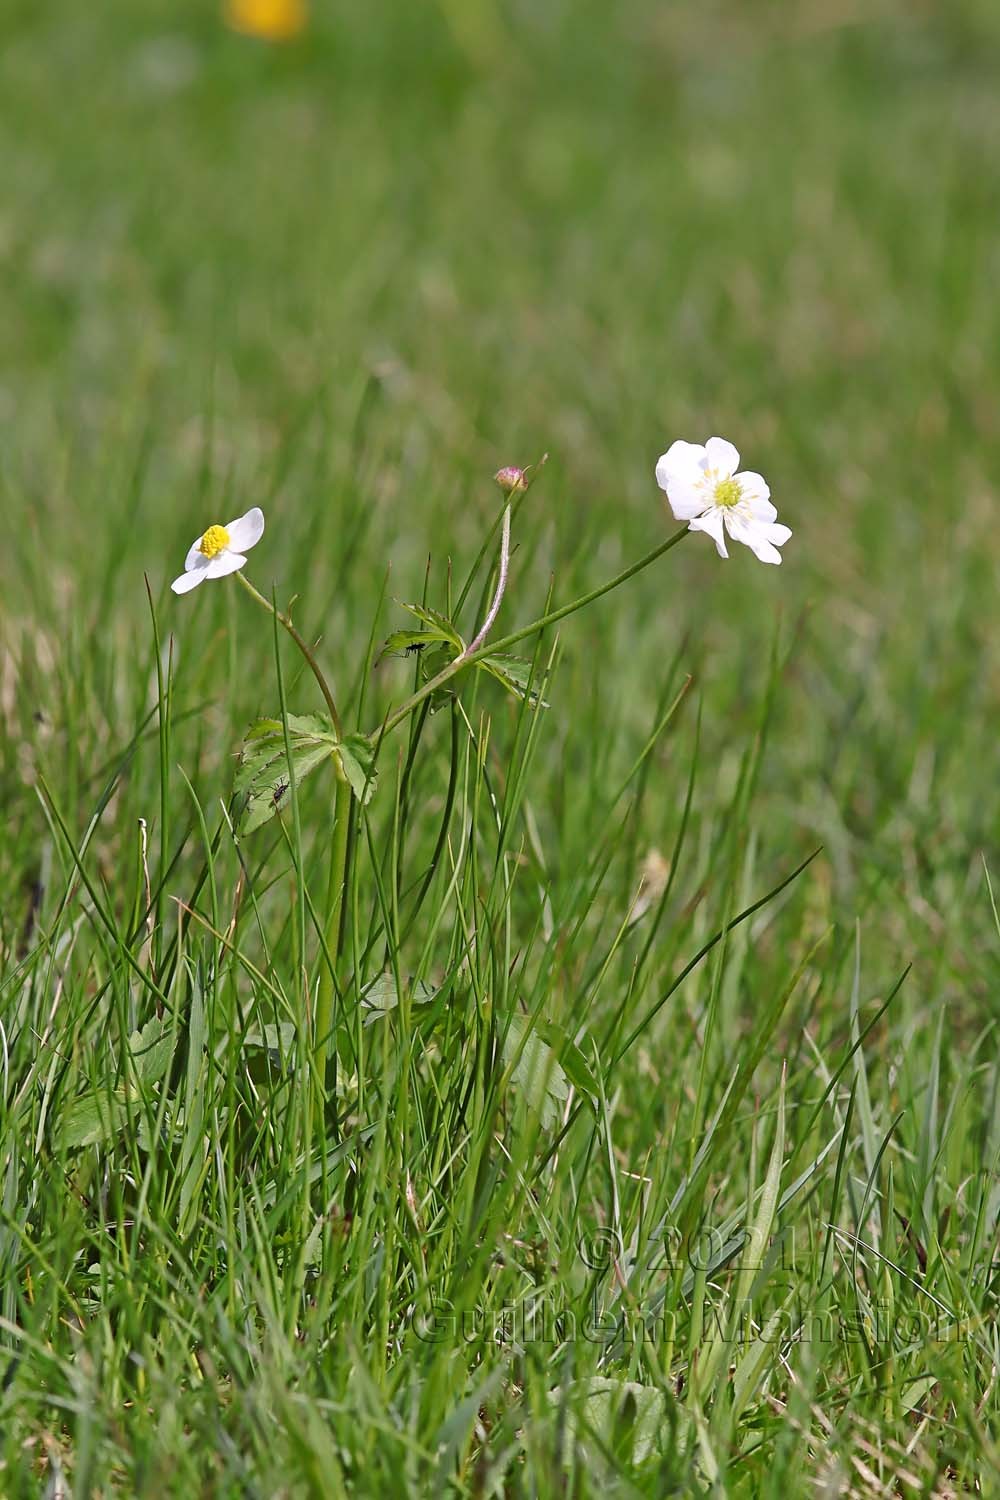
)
(221, 550)
(704, 489)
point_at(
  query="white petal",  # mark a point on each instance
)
(778, 534)
(722, 456)
(192, 559)
(757, 494)
(711, 522)
(754, 536)
(189, 580)
(681, 458)
(226, 562)
(246, 531)
(687, 496)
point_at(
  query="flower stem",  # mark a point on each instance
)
(306, 651)
(477, 652)
(323, 1021)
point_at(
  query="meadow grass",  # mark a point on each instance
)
(658, 1152)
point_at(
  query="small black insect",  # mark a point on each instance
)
(279, 792)
(413, 648)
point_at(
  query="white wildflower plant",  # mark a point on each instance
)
(220, 550)
(703, 487)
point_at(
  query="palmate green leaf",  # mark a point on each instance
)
(277, 1037)
(357, 759)
(380, 996)
(630, 1419)
(515, 674)
(152, 1048)
(403, 641)
(263, 778)
(573, 1062)
(101, 1114)
(536, 1072)
(93, 1118)
(431, 663)
(438, 631)
(439, 627)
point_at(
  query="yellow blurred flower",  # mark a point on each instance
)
(273, 20)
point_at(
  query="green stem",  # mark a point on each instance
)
(306, 651)
(334, 909)
(490, 648)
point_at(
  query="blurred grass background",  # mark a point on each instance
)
(348, 277)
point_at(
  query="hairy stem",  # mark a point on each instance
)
(494, 608)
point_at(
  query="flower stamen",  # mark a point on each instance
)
(728, 493)
(215, 540)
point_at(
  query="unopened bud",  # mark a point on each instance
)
(511, 480)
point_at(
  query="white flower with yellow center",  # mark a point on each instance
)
(704, 489)
(221, 550)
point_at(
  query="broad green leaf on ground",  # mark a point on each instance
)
(276, 1037)
(100, 1114)
(621, 1415)
(536, 1071)
(152, 1047)
(381, 996)
(93, 1118)
(574, 1064)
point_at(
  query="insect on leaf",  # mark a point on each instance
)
(407, 642)
(439, 627)
(263, 777)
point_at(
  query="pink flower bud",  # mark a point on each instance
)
(511, 480)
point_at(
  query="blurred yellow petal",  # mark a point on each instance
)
(273, 20)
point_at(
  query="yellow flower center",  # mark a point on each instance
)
(728, 492)
(215, 540)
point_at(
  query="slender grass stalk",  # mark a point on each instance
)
(334, 907)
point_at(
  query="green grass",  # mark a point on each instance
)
(584, 1213)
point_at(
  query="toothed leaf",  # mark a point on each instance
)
(357, 757)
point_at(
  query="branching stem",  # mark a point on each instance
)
(477, 650)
